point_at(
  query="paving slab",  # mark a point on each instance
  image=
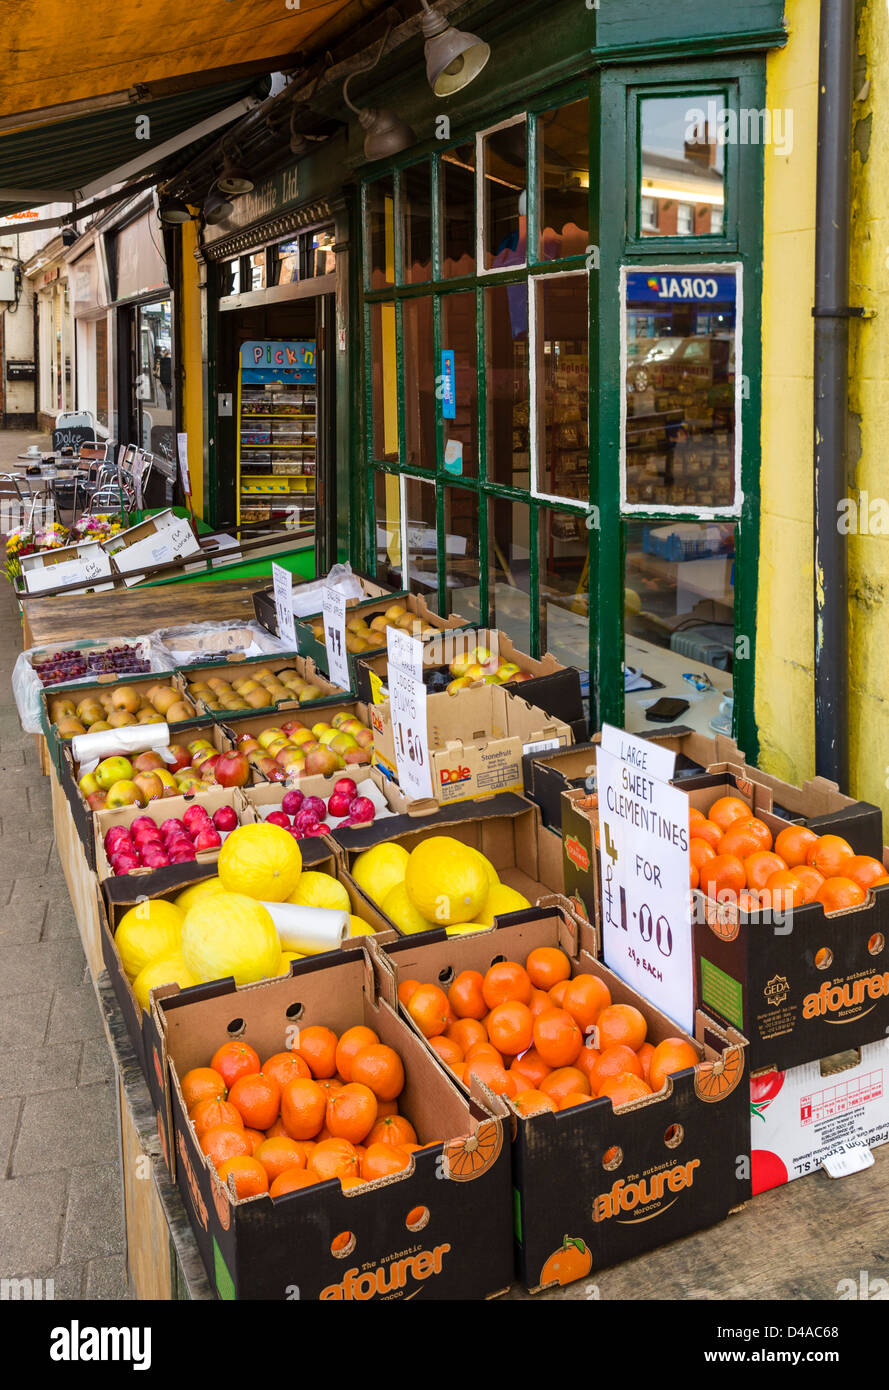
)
(60, 1128)
(31, 1212)
(29, 1071)
(93, 1189)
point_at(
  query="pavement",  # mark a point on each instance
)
(60, 1190)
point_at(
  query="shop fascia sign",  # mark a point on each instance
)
(269, 197)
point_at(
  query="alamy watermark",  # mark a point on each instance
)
(745, 126)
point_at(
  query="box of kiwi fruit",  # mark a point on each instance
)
(367, 625)
(111, 704)
(262, 684)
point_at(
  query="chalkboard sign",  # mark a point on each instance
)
(72, 436)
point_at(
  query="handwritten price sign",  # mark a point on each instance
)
(282, 583)
(334, 606)
(407, 702)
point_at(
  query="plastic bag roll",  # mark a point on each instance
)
(309, 930)
(131, 738)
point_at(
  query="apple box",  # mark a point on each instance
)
(275, 743)
(109, 686)
(414, 611)
(440, 1230)
(309, 688)
(307, 600)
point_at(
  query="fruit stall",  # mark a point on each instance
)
(388, 942)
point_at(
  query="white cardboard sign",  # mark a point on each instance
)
(646, 900)
(407, 701)
(282, 583)
(182, 449)
(333, 606)
(404, 652)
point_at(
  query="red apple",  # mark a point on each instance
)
(292, 802)
(278, 818)
(148, 762)
(124, 863)
(208, 768)
(144, 836)
(338, 805)
(225, 819)
(181, 757)
(232, 770)
(207, 838)
(142, 823)
(97, 801)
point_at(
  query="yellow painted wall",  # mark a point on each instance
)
(190, 350)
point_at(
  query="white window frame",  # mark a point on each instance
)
(564, 503)
(644, 509)
(651, 226)
(691, 227)
(481, 135)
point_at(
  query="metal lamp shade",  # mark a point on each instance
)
(217, 209)
(234, 179)
(453, 58)
(386, 134)
(174, 212)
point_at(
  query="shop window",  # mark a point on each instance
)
(420, 539)
(256, 271)
(679, 618)
(459, 400)
(507, 385)
(284, 269)
(419, 383)
(381, 233)
(384, 383)
(387, 529)
(648, 214)
(682, 162)
(505, 196)
(509, 569)
(319, 253)
(564, 171)
(101, 371)
(680, 444)
(561, 329)
(462, 553)
(416, 223)
(152, 406)
(230, 277)
(457, 184)
(563, 567)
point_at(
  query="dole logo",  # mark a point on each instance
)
(451, 775)
(577, 854)
(360, 1285)
(626, 1196)
(850, 995)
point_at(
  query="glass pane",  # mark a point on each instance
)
(419, 383)
(285, 262)
(462, 553)
(457, 180)
(101, 371)
(679, 619)
(506, 199)
(387, 529)
(381, 233)
(384, 382)
(509, 570)
(680, 389)
(508, 389)
(563, 549)
(154, 393)
(564, 164)
(458, 335)
(257, 271)
(416, 223)
(230, 277)
(682, 142)
(562, 386)
(422, 551)
(322, 252)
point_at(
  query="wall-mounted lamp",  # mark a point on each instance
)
(386, 134)
(173, 212)
(217, 208)
(453, 57)
(235, 178)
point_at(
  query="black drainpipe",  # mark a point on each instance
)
(831, 380)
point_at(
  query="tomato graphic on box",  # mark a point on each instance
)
(763, 1090)
(766, 1170)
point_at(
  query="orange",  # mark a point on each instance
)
(866, 870)
(333, 1158)
(250, 1178)
(465, 1032)
(290, 1181)
(285, 1066)
(793, 844)
(587, 1058)
(225, 1141)
(465, 995)
(699, 851)
(531, 1068)
(279, 1155)
(564, 1082)
(380, 1068)
(624, 1089)
(557, 993)
(429, 1009)
(485, 1049)
(234, 1059)
(381, 1160)
(727, 809)
(406, 989)
(751, 900)
(621, 1023)
(317, 1047)
(784, 889)
(256, 1137)
(257, 1099)
(725, 875)
(671, 1055)
(811, 879)
(828, 855)
(330, 1085)
(449, 1051)
(571, 1261)
(459, 1070)
(350, 1043)
(645, 1054)
(208, 1113)
(511, 1027)
(584, 999)
(694, 877)
(709, 832)
(539, 1001)
(760, 866)
(395, 1129)
(695, 818)
(574, 1098)
(386, 1107)
(746, 837)
(838, 893)
(492, 1075)
(352, 1113)
(277, 1130)
(534, 1103)
(546, 966)
(202, 1083)
(506, 981)
(614, 1061)
(557, 1037)
(303, 1107)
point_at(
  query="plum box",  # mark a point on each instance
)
(238, 727)
(407, 1236)
(476, 742)
(169, 807)
(307, 599)
(303, 667)
(387, 797)
(811, 1114)
(594, 1185)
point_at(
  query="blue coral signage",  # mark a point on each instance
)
(290, 362)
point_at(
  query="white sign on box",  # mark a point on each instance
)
(407, 702)
(644, 849)
(333, 605)
(282, 584)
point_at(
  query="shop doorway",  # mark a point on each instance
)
(147, 393)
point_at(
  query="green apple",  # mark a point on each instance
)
(111, 770)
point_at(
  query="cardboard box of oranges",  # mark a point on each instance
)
(334, 1218)
(607, 1165)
